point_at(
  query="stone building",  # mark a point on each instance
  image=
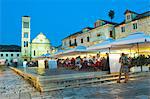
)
(103, 30)
(9, 53)
(133, 23)
(40, 45)
(88, 36)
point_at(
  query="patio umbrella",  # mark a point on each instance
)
(135, 38)
(103, 45)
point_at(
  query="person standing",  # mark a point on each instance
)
(124, 67)
(107, 63)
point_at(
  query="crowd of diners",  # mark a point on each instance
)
(99, 63)
(91, 63)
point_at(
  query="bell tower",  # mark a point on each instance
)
(25, 41)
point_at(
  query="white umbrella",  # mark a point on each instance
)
(77, 49)
(104, 44)
(132, 39)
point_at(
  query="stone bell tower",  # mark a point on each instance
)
(25, 40)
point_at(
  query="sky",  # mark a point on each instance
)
(59, 18)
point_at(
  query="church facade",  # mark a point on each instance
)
(32, 48)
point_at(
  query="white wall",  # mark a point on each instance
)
(9, 57)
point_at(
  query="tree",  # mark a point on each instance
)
(111, 14)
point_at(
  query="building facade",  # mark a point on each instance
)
(10, 53)
(103, 30)
(40, 45)
(133, 23)
(25, 41)
(89, 36)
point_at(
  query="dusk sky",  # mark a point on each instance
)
(59, 18)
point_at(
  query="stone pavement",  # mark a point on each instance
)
(12, 86)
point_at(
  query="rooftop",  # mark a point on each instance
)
(10, 48)
(139, 16)
(130, 11)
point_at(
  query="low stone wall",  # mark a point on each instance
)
(57, 82)
(33, 80)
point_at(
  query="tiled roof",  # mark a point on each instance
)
(139, 16)
(10, 48)
(90, 28)
(145, 14)
(108, 22)
(73, 34)
(130, 11)
(25, 16)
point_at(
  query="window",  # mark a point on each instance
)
(26, 35)
(128, 17)
(134, 25)
(82, 40)
(123, 29)
(17, 55)
(1, 55)
(70, 43)
(34, 53)
(11, 55)
(111, 34)
(98, 35)
(6, 55)
(88, 39)
(75, 41)
(25, 24)
(25, 43)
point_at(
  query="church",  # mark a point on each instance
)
(32, 48)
